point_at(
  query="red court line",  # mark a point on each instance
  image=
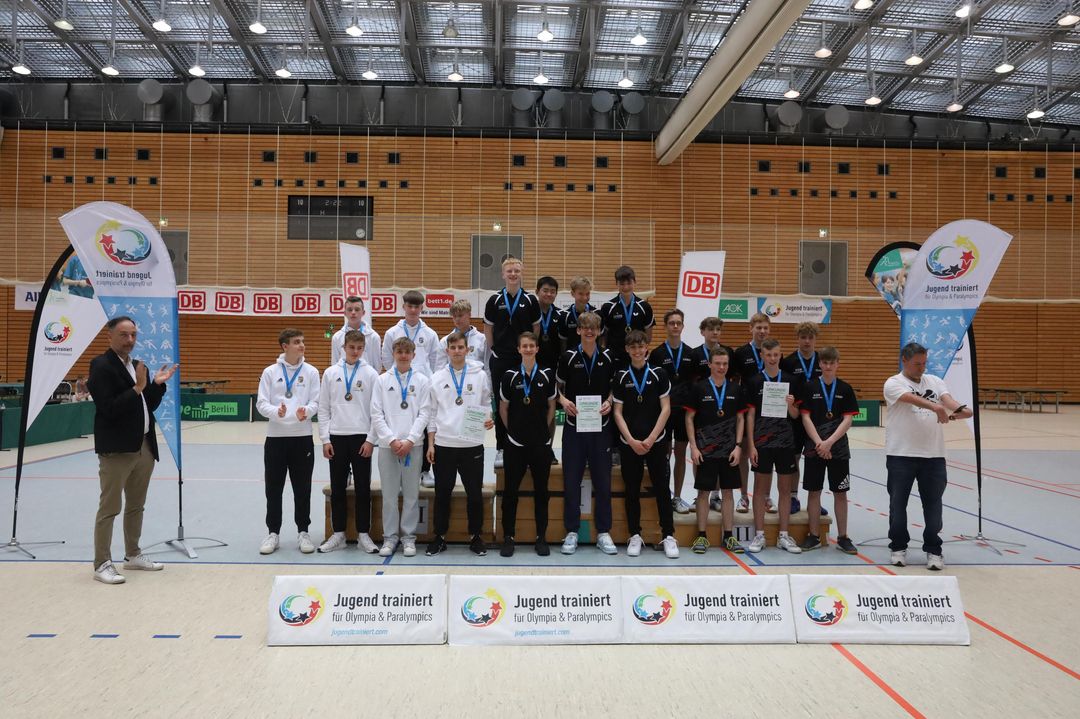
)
(741, 563)
(1025, 647)
(881, 683)
(1012, 551)
(987, 470)
(1044, 559)
(1013, 481)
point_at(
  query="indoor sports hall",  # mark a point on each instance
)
(761, 161)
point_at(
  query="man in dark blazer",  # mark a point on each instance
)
(126, 444)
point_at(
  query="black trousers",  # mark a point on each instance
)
(499, 366)
(469, 463)
(536, 459)
(346, 456)
(294, 456)
(633, 471)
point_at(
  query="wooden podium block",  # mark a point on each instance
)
(459, 525)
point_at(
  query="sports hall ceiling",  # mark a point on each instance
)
(658, 46)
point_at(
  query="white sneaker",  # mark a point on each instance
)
(427, 479)
(388, 547)
(269, 545)
(785, 542)
(681, 506)
(333, 543)
(757, 543)
(633, 547)
(744, 505)
(498, 459)
(408, 547)
(671, 547)
(716, 504)
(304, 543)
(898, 558)
(107, 574)
(935, 562)
(144, 563)
(605, 544)
(569, 545)
(367, 544)
(769, 506)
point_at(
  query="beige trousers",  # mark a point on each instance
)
(124, 476)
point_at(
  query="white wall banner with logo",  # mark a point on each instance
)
(707, 610)
(792, 310)
(127, 264)
(504, 609)
(945, 286)
(355, 272)
(349, 609)
(700, 276)
(69, 323)
(878, 609)
(26, 296)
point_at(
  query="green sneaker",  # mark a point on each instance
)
(732, 545)
(700, 545)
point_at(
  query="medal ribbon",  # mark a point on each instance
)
(459, 386)
(807, 370)
(757, 358)
(676, 359)
(289, 381)
(413, 336)
(510, 308)
(644, 376)
(719, 396)
(527, 379)
(349, 377)
(829, 396)
(589, 365)
(404, 388)
(544, 324)
(628, 309)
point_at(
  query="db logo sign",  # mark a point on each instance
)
(266, 303)
(306, 304)
(191, 301)
(229, 302)
(355, 284)
(384, 304)
(701, 284)
(337, 304)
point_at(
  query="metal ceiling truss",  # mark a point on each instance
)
(496, 43)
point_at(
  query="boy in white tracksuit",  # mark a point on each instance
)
(289, 398)
(344, 428)
(399, 416)
(354, 320)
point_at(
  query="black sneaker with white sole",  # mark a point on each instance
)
(845, 545)
(436, 546)
(507, 549)
(477, 546)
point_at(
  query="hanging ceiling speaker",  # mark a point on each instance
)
(602, 101)
(523, 99)
(633, 103)
(554, 100)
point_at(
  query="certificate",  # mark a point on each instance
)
(588, 413)
(774, 399)
(472, 428)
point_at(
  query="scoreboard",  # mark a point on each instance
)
(330, 217)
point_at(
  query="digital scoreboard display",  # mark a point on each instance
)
(330, 217)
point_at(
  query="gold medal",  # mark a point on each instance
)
(640, 399)
(348, 396)
(828, 415)
(719, 413)
(526, 401)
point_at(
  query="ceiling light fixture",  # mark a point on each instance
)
(354, 29)
(639, 38)
(196, 69)
(956, 105)
(545, 34)
(873, 99)
(63, 22)
(283, 71)
(1005, 65)
(791, 93)
(864, 4)
(110, 67)
(161, 24)
(1070, 17)
(257, 27)
(625, 82)
(1035, 113)
(455, 75)
(963, 11)
(370, 73)
(450, 32)
(110, 70)
(915, 58)
(824, 51)
(21, 68)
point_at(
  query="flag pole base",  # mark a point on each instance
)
(14, 545)
(180, 543)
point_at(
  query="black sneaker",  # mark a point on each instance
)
(811, 541)
(845, 545)
(507, 549)
(477, 546)
(542, 548)
(436, 546)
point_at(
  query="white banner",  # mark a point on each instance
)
(26, 296)
(349, 609)
(792, 310)
(69, 323)
(958, 380)
(355, 272)
(700, 276)
(696, 609)
(878, 609)
(506, 609)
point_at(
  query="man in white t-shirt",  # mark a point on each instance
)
(919, 404)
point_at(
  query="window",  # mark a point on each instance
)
(132, 180)
(393, 158)
(773, 192)
(804, 166)
(560, 161)
(590, 188)
(153, 180)
(110, 180)
(990, 197)
(1029, 198)
(1040, 173)
(69, 179)
(361, 183)
(519, 161)
(101, 153)
(601, 163)
(612, 188)
(142, 154)
(320, 183)
(279, 182)
(403, 184)
(764, 166)
(1010, 197)
(853, 194)
(89, 179)
(873, 194)
(843, 168)
(793, 193)
(269, 156)
(833, 193)
(383, 184)
(549, 187)
(310, 156)
(508, 185)
(570, 187)
(58, 153)
(298, 183)
(47, 179)
(1001, 171)
(813, 193)
(892, 194)
(256, 183)
(753, 192)
(352, 158)
(1049, 198)
(341, 183)
(528, 187)
(882, 169)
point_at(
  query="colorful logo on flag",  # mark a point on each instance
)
(827, 609)
(483, 611)
(58, 331)
(950, 262)
(123, 245)
(654, 609)
(772, 309)
(298, 610)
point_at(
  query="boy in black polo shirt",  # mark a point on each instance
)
(622, 313)
(772, 446)
(550, 346)
(828, 408)
(715, 418)
(710, 329)
(507, 314)
(586, 370)
(677, 360)
(747, 362)
(527, 406)
(581, 291)
(803, 365)
(642, 407)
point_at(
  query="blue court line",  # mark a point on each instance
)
(104, 636)
(228, 636)
(166, 636)
(40, 636)
(985, 518)
(753, 558)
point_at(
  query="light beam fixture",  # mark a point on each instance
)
(257, 27)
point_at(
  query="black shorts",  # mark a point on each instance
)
(814, 469)
(713, 474)
(799, 432)
(782, 460)
(677, 424)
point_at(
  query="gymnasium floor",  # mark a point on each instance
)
(191, 640)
